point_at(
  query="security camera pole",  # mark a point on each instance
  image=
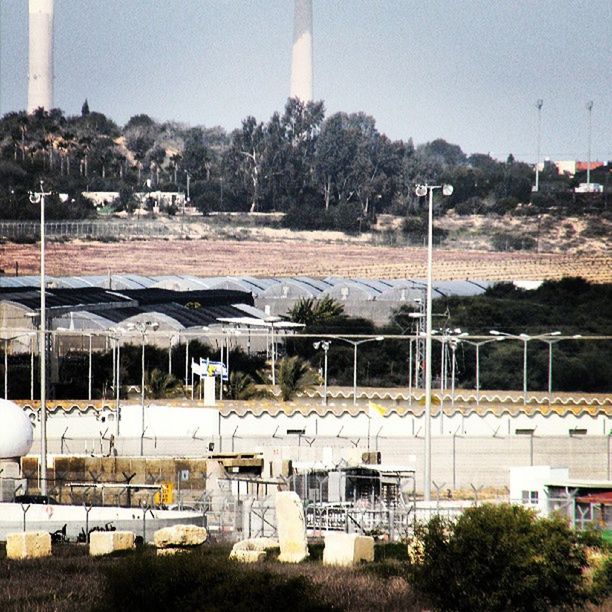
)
(142, 327)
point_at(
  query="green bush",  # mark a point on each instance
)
(499, 557)
(202, 580)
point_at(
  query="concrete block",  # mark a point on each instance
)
(28, 545)
(180, 536)
(291, 527)
(107, 542)
(248, 556)
(347, 549)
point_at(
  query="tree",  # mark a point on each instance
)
(160, 384)
(241, 386)
(313, 312)
(85, 108)
(497, 558)
(294, 376)
(248, 146)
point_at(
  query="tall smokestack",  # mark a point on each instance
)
(40, 75)
(301, 64)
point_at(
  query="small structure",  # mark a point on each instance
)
(107, 542)
(15, 441)
(547, 489)
(347, 549)
(28, 545)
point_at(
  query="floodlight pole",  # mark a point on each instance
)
(589, 107)
(422, 190)
(89, 372)
(39, 198)
(539, 104)
(355, 344)
(324, 344)
(524, 338)
(6, 368)
(142, 327)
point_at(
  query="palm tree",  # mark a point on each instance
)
(241, 386)
(160, 384)
(294, 376)
(312, 312)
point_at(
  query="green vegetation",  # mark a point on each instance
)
(294, 376)
(334, 172)
(492, 558)
(496, 558)
(571, 306)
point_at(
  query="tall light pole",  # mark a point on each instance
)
(324, 344)
(355, 344)
(550, 343)
(422, 190)
(478, 345)
(39, 198)
(524, 338)
(142, 327)
(539, 104)
(589, 107)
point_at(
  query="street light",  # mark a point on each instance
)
(550, 343)
(39, 198)
(324, 344)
(524, 338)
(355, 344)
(422, 190)
(539, 104)
(478, 345)
(589, 107)
(142, 327)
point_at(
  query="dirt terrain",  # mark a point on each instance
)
(291, 257)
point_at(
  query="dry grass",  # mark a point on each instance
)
(289, 258)
(71, 580)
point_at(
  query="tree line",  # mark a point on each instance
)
(337, 171)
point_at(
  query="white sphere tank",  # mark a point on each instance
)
(15, 431)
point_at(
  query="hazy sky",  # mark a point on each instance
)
(469, 71)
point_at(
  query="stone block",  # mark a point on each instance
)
(257, 544)
(248, 556)
(347, 549)
(291, 527)
(107, 542)
(178, 550)
(28, 545)
(180, 536)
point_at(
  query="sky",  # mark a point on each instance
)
(468, 71)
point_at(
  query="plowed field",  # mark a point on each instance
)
(291, 258)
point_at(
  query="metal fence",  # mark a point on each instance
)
(97, 229)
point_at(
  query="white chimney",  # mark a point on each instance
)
(40, 75)
(301, 64)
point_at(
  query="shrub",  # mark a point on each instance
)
(202, 580)
(506, 241)
(499, 558)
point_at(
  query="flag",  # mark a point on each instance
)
(376, 410)
(435, 400)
